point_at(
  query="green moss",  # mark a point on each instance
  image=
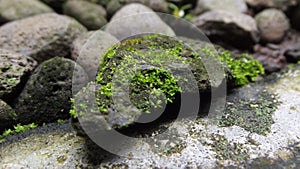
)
(17, 129)
(244, 68)
(254, 115)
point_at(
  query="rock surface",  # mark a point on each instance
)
(17, 9)
(272, 24)
(192, 144)
(7, 116)
(282, 4)
(88, 49)
(91, 15)
(134, 19)
(236, 29)
(15, 70)
(41, 37)
(238, 6)
(46, 96)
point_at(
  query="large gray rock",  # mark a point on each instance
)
(134, 19)
(15, 69)
(191, 144)
(88, 49)
(46, 96)
(18, 9)
(91, 15)
(272, 24)
(7, 116)
(282, 4)
(234, 28)
(226, 5)
(157, 5)
(42, 36)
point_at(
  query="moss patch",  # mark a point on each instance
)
(253, 113)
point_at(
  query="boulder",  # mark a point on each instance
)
(282, 4)
(134, 19)
(18, 9)
(272, 24)
(88, 49)
(41, 37)
(239, 30)
(197, 143)
(238, 6)
(15, 70)
(91, 15)
(46, 96)
(8, 116)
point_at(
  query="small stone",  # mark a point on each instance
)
(238, 6)
(272, 24)
(7, 116)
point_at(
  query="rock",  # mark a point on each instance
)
(282, 4)
(91, 15)
(272, 24)
(293, 53)
(14, 71)
(189, 143)
(55, 4)
(238, 6)
(88, 49)
(7, 116)
(18, 9)
(134, 19)
(41, 37)
(239, 30)
(157, 5)
(46, 96)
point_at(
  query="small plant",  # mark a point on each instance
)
(180, 12)
(17, 129)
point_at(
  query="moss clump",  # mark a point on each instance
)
(253, 113)
(243, 67)
(17, 129)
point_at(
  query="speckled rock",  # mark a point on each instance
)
(282, 4)
(226, 5)
(15, 70)
(191, 144)
(236, 29)
(272, 24)
(42, 36)
(91, 15)
(157, 5)
(134, 19)
(7, 116)
(46, 96)
(17, 9)
(88, 49)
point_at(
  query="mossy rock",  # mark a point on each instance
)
(7, 116)
(15, 70)
(46, 96)
(155, 69)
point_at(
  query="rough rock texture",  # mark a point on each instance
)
(91, 15)
(237, 29)
(134, 19)
(41, 37)
(7, 116)
(46, 96)
(282, 4)
(191, 144)
(293, 53)
(226, 5)
(272, 24)
(17, 9)
(157, 5)
(15, 69)
(88, 49)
